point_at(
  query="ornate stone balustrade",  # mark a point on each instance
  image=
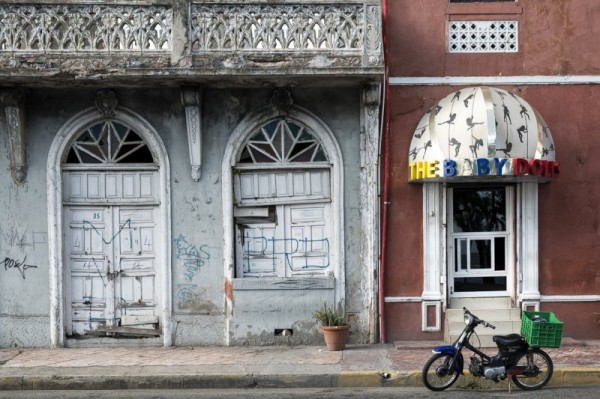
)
(277, 27)
(85, 28)
(178, 37)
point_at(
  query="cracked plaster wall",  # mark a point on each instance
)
(199, 312)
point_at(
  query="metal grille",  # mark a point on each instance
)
(483, 36)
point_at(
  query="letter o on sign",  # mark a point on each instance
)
(536, 167)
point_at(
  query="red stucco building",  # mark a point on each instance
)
(492, 182)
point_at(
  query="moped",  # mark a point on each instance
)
(527, 366)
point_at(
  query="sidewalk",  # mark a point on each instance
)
(241, 367)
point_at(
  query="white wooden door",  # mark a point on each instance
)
(110, 264)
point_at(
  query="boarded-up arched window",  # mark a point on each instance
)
(283, 200)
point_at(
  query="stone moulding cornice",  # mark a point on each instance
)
(202, 38)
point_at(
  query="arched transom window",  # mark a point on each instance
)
(282, 141)
(108, 142)
(283, 203)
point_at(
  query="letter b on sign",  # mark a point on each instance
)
(449, 168)
(483, 166)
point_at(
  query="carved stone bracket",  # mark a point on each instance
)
(13, 103)
(282, 100)
(106, 103)
(370, 124)
(191, 98)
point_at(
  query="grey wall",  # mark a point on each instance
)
(198, 300)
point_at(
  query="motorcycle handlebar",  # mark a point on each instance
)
(478, 320)
(486, 324)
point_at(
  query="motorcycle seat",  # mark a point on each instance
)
(507, 340)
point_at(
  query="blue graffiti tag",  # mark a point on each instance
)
(185, 293)
(99, 233)
(126, 223)
(307, 253)
(193, 257)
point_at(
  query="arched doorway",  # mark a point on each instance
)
(109, 215)
(282, 212)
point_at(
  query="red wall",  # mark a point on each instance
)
(557, 37)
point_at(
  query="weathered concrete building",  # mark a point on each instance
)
(187, 172)
(492, 173)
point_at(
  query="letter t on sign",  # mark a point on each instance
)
(191, 99)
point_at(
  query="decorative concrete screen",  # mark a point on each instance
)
(483, 36)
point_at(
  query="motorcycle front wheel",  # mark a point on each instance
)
(535, 370)
(437, 374)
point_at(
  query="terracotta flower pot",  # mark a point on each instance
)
(335, 337)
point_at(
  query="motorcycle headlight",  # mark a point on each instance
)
(468, 319)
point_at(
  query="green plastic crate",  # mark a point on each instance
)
(546, 334)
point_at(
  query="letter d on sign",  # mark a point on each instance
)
(520, 166)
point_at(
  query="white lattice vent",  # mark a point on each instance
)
(483, 36)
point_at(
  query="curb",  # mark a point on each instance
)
(346, 379)
(94, 382)
(575, 376)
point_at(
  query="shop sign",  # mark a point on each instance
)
(482, 167)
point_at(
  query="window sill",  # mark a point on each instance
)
(280, 283)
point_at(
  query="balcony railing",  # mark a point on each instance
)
(198, 37)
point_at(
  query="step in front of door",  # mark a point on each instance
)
(506, 320)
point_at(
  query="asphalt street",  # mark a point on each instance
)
(580, 392)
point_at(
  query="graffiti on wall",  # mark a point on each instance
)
(185, 292)
(13, 237)
(94, 263)
(192, 257)
(118, 233)
(17, 264)
(298, 253)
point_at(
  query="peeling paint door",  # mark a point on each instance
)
(111, 275)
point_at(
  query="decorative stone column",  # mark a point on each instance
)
(434, 234)
(530, 295)
(13, 103)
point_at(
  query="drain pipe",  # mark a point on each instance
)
(386, 173)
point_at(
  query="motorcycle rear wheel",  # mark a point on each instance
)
(437, 374)
(537, 370)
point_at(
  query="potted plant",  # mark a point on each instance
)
(334, 326)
